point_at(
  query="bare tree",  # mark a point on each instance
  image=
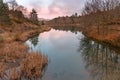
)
(101, 12)
(12, 4)
(94, 6)
(23, 10)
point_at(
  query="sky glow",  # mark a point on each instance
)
(49, 9)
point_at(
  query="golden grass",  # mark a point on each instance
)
(110, 36)
(15, 60)
(15, 55)
(33, 65)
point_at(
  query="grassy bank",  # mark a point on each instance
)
(15, 60)
(110, 36)
(101, 21)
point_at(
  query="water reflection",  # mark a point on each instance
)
(34, 40)
(92, 62)
(73, 29)
(32, 43)
(65, 62)
(102, 62)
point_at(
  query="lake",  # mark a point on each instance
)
(72, 56)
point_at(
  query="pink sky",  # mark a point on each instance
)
(49, 9)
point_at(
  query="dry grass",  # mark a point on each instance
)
(110, 36)
(21, 64)
(21, 34)
(13, 50)
(15, 60)
(25, 35)
(33, 65)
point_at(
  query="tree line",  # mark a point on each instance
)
(65, 20)
(100, 13)
(12, 8)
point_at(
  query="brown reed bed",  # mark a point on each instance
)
(17, 64)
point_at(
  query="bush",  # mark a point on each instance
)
(18, 21)
(4, 19)
(1, 39)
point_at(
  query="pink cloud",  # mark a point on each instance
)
(46, 12)
(55, 34)
(53, 8)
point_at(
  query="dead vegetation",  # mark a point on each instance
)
(16, 63)
(101, 20)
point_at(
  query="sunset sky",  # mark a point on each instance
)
(49, 9)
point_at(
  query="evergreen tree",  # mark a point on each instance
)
(1, 7)
(33, 16)
(4, 18)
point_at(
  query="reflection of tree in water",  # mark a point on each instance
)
(73, 29)
(101, 62)
(34, 40)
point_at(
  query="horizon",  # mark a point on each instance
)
(49, 9)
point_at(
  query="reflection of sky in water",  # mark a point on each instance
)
(65, 61)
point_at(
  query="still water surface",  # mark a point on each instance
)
(75, 57)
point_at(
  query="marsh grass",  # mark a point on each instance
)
(1, 39)
(17, 64)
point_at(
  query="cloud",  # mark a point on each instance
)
(53, 8)
(69, 6)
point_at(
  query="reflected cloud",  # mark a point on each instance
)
(55, 34)
(65, 61)
(48, 40)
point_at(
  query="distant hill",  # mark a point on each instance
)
(42, 19)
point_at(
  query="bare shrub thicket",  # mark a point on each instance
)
(100, 13)
(4, 18)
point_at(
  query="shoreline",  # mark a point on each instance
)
(14, 54)
(110, 37)
(26, 35)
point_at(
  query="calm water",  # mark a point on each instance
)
(74, 57)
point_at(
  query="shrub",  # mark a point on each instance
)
(18, 21)
(1, 39)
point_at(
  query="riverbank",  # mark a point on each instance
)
(15, 60)
(109, 34)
